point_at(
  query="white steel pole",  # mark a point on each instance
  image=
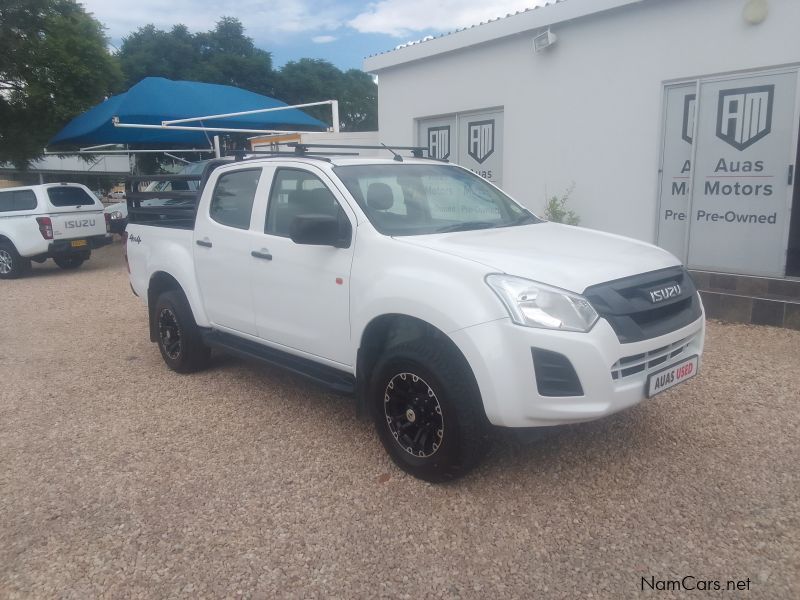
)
(244, 112)
(187, 128)
(335, 115)
(217, 151)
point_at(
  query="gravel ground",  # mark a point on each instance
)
(119, 478)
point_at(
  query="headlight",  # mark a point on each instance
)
(534, 304)
(117, 215)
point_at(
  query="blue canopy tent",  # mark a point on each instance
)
(155, 100)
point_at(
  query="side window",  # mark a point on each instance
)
(296, 192)
(17, 200)
(232, 201)
(24, 200)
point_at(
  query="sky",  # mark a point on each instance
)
(341, 31)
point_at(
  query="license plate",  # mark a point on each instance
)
(77, 243)
(671, 376)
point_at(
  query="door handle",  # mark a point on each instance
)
(204, 243)
(263, 254)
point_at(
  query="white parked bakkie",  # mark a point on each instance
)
(62, 221)
(443, 304)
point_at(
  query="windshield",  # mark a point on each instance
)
(420, 199)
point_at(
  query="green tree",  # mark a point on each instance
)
(54, 64)
(312, 80)
(224, 55)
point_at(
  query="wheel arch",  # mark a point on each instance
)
(160, 282)
(392, 329)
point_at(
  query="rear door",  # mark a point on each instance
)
(223, 240)
(74, 212)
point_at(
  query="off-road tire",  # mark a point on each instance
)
(178, 336)
(13, 265)
(443, 379)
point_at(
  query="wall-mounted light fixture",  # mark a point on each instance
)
(543, 41)
(755, 11)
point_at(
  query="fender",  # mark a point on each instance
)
(189, 287)
(439, 289)
(159, 254)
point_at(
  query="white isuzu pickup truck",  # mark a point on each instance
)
(441, 303)
(62, 221)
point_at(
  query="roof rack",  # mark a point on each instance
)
(302, 148)
(245, 154)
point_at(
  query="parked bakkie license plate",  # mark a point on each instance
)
(77, 243)
(671, 376)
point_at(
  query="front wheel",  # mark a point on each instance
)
(12, 265)
(179, 337)
(428, 411)
(68, 263)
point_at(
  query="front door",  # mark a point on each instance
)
(223, 240)
(301, 293)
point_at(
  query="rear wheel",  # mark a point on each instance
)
(12, 265)
(428, 411)
(69, 262)
(179, 337)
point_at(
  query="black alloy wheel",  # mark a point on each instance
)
(413, 414)
(179, 338)
(169, 333)
(428, 411)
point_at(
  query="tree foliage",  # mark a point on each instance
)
(226, 55)
(312, 80)
(53, 65)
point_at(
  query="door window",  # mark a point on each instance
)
(294, 193)
(232, 201)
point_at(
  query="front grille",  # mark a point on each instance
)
(626, 304)
(631, 365)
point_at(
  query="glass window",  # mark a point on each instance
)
(232, 202)
(69, 196)
(417, 199)
(296, 192)
(17, 200)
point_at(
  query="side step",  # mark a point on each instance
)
(750, 299)
(333, 379)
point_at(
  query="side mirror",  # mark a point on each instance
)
(319, 230)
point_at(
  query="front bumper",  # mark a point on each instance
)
(499, 353)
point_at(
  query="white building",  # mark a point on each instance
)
(627, 97)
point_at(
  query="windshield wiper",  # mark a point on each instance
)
(467, 226)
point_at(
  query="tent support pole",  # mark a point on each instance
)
(335, 115)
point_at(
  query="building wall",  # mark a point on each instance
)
(588, 110)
